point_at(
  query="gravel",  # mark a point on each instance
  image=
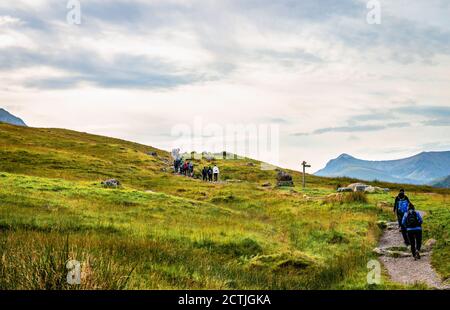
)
(406, 270)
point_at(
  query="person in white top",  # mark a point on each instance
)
(216, 172)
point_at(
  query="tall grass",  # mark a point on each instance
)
(31, 261)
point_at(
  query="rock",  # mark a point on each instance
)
(111, 183)
(382, 224)
(396, 254)
(250, 164)
(284, 179)
(266, 184)
(392, 225)
(344, 189)
(378, 251)
(430, 243)
(375, 189)
(152, 154)
(390, 253)
(358, 187)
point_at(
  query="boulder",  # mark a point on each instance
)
(358, 187)
(344, 189)
(111, 183)
(266, 184)
(375, 189)
(382, 224)
(284, 179)
(378, 251)
(154, 154)
(250, 164)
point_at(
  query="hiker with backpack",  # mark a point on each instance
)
(401, 205)
(412, 220)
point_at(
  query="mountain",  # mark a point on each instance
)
(443, 182)
(422, 168)
(6, 117)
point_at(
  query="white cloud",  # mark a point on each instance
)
(135, 69)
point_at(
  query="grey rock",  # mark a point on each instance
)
(284, 179)
(344, 189)
(111, 183)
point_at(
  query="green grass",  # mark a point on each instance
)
(162, 231)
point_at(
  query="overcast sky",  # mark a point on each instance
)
(330, 81)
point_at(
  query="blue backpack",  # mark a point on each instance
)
(403, 205)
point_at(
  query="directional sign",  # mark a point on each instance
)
(305, 165)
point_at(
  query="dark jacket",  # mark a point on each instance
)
(397, 199)
(419, 219)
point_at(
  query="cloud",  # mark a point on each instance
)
(122, 71)
(9, 20)
(343, 129)
(426, 111)
(398, 125)
(312, 66)
(444, 122)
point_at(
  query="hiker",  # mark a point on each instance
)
(216, 173)
(205, 174)
(191, 169)
(176, 165)
(210, 174)
(185, 168)
(401, 205)
(180, 166)
(412, 220)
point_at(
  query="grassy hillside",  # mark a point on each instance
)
(163, 231)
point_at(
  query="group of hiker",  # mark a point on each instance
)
(210, 174)
(186, 168)
(409, 222)
(182, 167)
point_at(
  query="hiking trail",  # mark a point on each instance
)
(399, 263)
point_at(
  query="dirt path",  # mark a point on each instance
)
(400, 264)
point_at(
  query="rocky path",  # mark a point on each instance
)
(400, 264)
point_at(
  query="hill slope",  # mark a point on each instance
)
(8, 118)
(173, 232)
(419, 169)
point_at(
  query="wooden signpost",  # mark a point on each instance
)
(305, 165)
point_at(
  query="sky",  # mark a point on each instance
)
(315, 72)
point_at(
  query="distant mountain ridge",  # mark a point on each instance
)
(443, 183)
(6, 117)
(423, 168)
